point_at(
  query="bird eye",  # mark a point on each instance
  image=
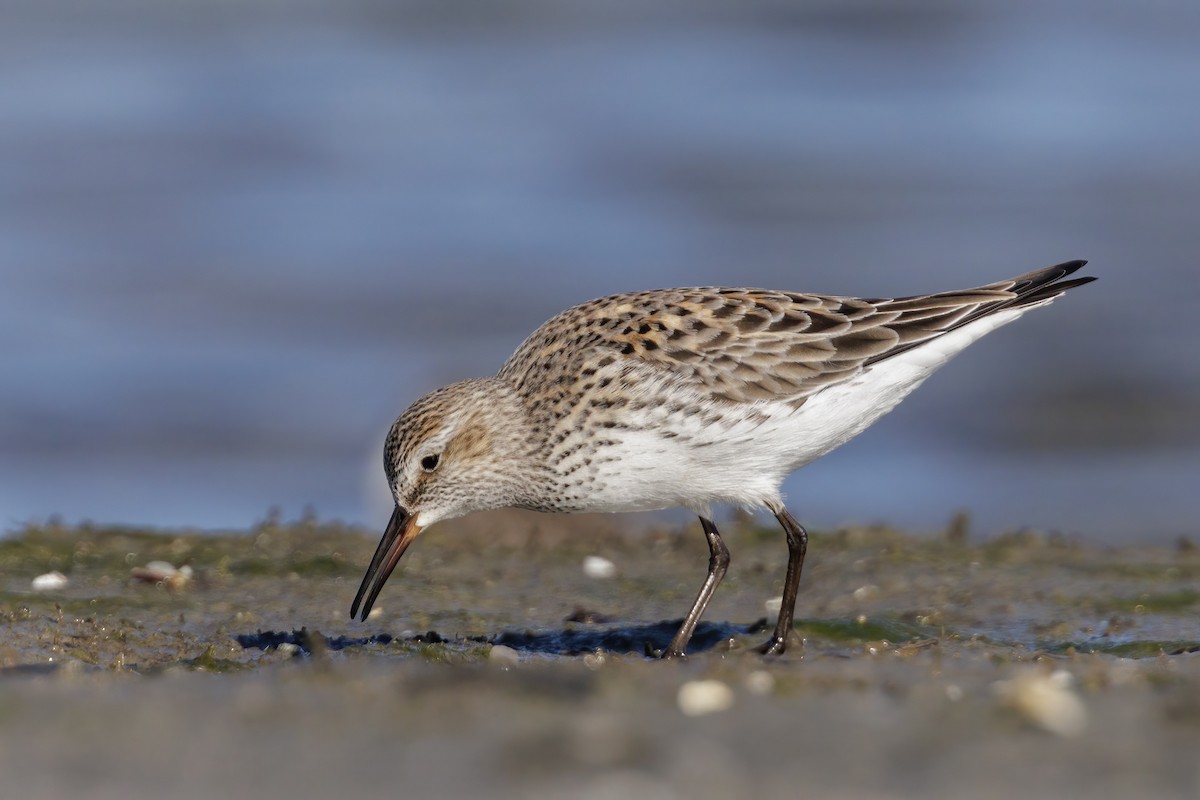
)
(430, 463)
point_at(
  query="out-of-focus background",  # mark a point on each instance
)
(236, 239)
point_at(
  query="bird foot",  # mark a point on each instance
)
(773, 647)
(669, 654)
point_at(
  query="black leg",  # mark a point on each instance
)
(797, 539)
(718, 562)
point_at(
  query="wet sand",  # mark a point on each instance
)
(928, 666)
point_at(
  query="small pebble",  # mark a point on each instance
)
(599, 567)
(164, 573)
(760, 682)
(49, 582)
(1048, 701)
(697, 698)
(503, 655)
(866, 593)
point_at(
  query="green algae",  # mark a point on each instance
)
(1127, 649)
(1150, 602)
(441, 652)
(208, 661)
(868, 630)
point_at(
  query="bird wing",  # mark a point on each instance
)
(743, 345)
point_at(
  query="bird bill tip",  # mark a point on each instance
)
(401, 530)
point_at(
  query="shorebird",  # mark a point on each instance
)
(679, 397)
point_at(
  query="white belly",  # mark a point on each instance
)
(744, 458)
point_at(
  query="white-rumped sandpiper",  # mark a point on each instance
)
(679, 397)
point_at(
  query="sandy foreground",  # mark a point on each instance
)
(925, 666)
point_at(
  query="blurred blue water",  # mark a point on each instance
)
(235, 241)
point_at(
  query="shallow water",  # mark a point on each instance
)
(236, 241)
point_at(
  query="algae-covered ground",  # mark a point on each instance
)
(925, 666)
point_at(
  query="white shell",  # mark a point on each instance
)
(1047, 701)
(599, 567)
(697, 698)
(49, 582)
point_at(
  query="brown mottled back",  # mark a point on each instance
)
(742, 345)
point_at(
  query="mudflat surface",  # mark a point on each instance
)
(925, 666)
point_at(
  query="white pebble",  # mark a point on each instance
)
(866, 593)
(49, 582)
(697, 698)
(760, 682)
(1048, 701)
(503, 655)
(599, 567)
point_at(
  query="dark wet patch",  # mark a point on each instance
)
(639, 639)
(271, 640)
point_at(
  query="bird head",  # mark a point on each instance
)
(458, 449)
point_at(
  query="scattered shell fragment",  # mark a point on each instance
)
(161, 572)
(697, 698)
(49, 582)
(599, 567)
(1048, 701)
(773, 605)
